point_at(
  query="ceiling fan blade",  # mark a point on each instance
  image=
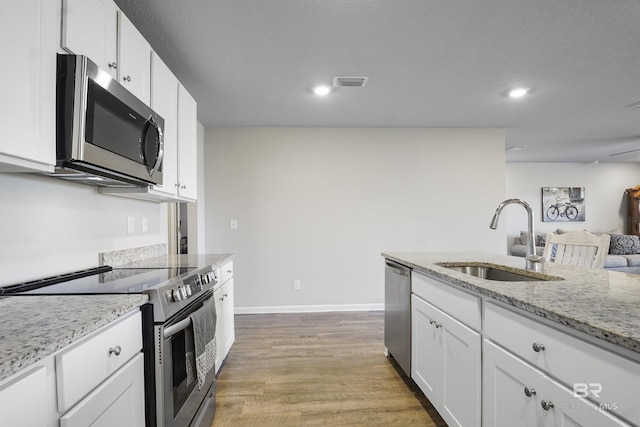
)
(625, 152)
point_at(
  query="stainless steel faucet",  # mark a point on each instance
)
(533, 261)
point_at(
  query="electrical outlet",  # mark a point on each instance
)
(131, 224)
(296, 285)
(233, 224)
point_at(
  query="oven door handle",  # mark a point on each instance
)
(186, 322)
(174, 329)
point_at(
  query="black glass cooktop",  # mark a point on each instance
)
(101, 280)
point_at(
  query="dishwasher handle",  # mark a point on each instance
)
(398, 269)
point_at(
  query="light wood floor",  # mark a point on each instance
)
(316, 369)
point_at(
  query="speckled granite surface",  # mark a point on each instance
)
(165, 261)
(33, 327)
(604, 304)
(124, 256)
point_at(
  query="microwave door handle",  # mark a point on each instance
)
(158, 163)
(152, 123)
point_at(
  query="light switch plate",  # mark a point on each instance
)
(131, 224)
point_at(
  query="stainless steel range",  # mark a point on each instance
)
(177, 288)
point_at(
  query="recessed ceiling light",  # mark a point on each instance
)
(518, 92)
(517, 148)
(321, 90)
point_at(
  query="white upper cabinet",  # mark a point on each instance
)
(179, 165)
(29, 35)
(164, 101)
(187, 145)
(89, 27)
(99, 30)
(135, 60)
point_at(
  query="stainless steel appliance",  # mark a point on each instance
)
(397, 314)
(104, 134)
(175, 292)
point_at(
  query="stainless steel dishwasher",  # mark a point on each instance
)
(397, 314)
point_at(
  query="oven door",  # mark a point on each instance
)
(183, 403)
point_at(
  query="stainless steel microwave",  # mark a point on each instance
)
(104, 134)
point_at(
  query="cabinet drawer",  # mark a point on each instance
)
(459, 304)
(81, 368)
(226, 272)
(590, 370)
(118, 401)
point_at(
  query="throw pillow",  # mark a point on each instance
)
(624, 244)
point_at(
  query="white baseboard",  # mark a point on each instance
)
(308, 308)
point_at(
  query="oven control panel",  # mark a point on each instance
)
(193, 285)
(190, 286)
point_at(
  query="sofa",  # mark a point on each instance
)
(624, 250)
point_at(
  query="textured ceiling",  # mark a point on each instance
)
(430, 63)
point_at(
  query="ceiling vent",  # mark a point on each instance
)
(349, 81)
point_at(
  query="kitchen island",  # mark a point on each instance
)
(488, 352)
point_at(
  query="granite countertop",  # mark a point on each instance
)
(165, 261)
(601, 303)
(33, 327)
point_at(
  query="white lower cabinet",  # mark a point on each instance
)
(511, 389)
(483, 363)
(84, 384)
(225, 324)
(524, 385)
(104, 374)
(29, 398)
(118, 401)
(446, 357)
(517, 394)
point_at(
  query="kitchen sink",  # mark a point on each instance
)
(497, 273)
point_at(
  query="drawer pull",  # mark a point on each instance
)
(431, 322)
(529, 391)
(546, 405)
(537, 347)
(116, 350)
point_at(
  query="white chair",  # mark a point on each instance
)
(577, 248)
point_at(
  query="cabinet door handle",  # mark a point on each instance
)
(546, 405)
(529, 391)
(127, 78)
(432, 322)
(115, 350)
(113, 65)
(537, 347)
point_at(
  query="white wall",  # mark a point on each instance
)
(49, 226)
(320, 205)
(605, 200)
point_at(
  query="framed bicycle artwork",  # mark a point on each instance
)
(563, 204)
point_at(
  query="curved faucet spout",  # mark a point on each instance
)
(531, 249)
